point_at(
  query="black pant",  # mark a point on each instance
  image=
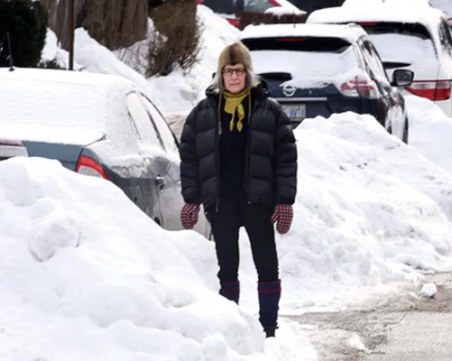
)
(233, 213)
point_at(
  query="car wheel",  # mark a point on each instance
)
(406, 131)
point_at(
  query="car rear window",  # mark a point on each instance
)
(406, 43)
(310, 62)
(408, 29)
(335, 45)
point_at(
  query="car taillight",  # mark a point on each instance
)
(12, 148)
(359, 88)
(233, 21)
(433, 90)
(88, 166)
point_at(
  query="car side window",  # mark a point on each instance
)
(375, 68)
(166, 135)
(146, 130)
(374, 61)
(445, 38)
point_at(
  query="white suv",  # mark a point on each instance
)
(416, 38)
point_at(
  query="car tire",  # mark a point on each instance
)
(406, 130)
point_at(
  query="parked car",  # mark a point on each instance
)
(415, 37)
(12, 148)
(446, 7)
(323, 69)
(231, 9)
(99, 125)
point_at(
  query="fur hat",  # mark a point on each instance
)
(234, 54)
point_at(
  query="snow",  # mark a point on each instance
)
(419, 53)
(347, 32)
(85, 275)
(390, 12)
(444, 5)
(400, 3)
(308, 68)
(429, 290)
(280, 11)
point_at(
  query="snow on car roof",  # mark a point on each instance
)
(425, 15)
(61, 76)
(386, 2)
(85, 99)
(347, 32)
(63, 100)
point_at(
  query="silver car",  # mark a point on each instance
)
(99, 125)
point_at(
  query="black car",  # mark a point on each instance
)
(99, 125)
(324, 69)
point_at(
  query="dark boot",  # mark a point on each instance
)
(230, 290)
(269, 295)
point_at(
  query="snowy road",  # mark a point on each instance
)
(402, 327)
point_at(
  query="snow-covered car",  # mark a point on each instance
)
(316, 70)
(231, 9)
(415, 37)
(446, 7)
(12, 148)
(99, 125)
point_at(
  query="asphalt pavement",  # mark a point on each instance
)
(404, 327)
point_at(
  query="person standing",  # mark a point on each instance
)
(239, 159)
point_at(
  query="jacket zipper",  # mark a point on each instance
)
(217, 153)
(247, 154)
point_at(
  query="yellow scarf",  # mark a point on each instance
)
(233, 104)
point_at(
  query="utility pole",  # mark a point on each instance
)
(71, 33)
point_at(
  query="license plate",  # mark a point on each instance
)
(295, 112)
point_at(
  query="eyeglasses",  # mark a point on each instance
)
(238, 71)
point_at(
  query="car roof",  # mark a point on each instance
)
(349, 32)
(391, 2)
(46, 98)
(61, 76)
(425, 15)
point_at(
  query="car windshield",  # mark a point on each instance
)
(311, 61)
(406, 43)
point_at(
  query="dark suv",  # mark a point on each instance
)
(323, 69)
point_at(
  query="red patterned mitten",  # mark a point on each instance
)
(189, 215)
(283, 216)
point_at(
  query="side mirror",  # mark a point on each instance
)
(402, 77)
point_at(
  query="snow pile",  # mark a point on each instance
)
(370, 210)
(86, 275)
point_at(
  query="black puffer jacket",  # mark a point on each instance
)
(271, 159)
